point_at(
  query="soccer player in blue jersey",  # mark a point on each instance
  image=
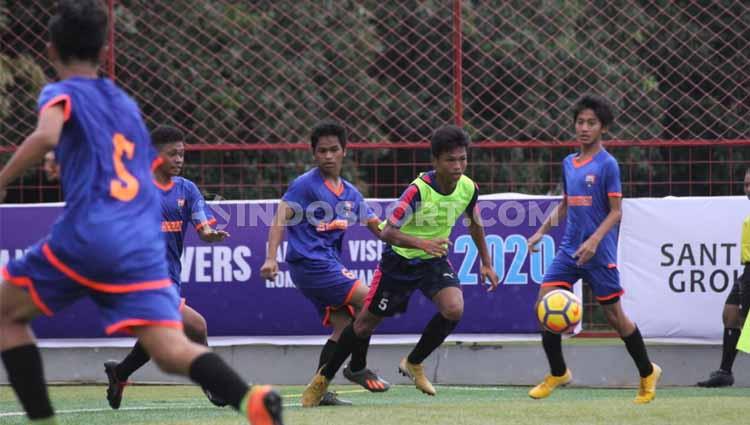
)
(317, 208)
(107, 244)
(592, 206)
(181, 205)
(416, 259)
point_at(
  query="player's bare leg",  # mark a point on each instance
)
(20, 355)
(649, 372)
(195, 325)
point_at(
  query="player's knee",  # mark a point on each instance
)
(732, 316)
(363, 328)
(453, 312)
(617, 320)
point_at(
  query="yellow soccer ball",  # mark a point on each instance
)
(559, 311)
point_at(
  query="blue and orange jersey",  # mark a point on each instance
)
(181, 205)
(110, 225)
(322, 213)
(588, 185)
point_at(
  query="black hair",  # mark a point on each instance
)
(164, 135)
(328, 128)
(601, 107)
(79, 29)
(448, 138)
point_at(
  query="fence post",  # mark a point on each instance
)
(457, 65)
(111, 40)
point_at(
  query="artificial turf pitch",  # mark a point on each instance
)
(401, 405)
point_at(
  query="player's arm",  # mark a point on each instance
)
(201, 216)
(589, 246)
(555, 218)
(209, 234)
(372, 221)
(392, 235)
(42, 140)
(270, 267)
(476, 230)
(373, 225)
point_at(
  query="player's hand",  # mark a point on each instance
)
(270, 269)
(486, 272)
(533, 240)
(435, 247)
(586, 251)
(214, 235)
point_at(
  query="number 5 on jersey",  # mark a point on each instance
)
(383, 304)
(125, 186)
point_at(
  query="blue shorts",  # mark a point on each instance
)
(53, 286)
(603, 280)
(327, 284)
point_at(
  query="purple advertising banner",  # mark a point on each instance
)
(222, 281)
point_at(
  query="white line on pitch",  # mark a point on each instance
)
(136, 409)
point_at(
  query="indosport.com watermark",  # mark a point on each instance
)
(322, 215)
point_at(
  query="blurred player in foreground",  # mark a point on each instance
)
(107, 244)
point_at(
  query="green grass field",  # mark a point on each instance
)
(403, 405)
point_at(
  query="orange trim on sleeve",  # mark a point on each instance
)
(57, 99)
(125, 325)
(210, 222)
(558, 283)
(112, 288)
(614, 194)
(611, 266)
(25, 282)
(609, 297)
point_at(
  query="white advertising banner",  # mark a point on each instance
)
(678, 259)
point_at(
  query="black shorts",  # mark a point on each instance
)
(740, 293)
(396, 278)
